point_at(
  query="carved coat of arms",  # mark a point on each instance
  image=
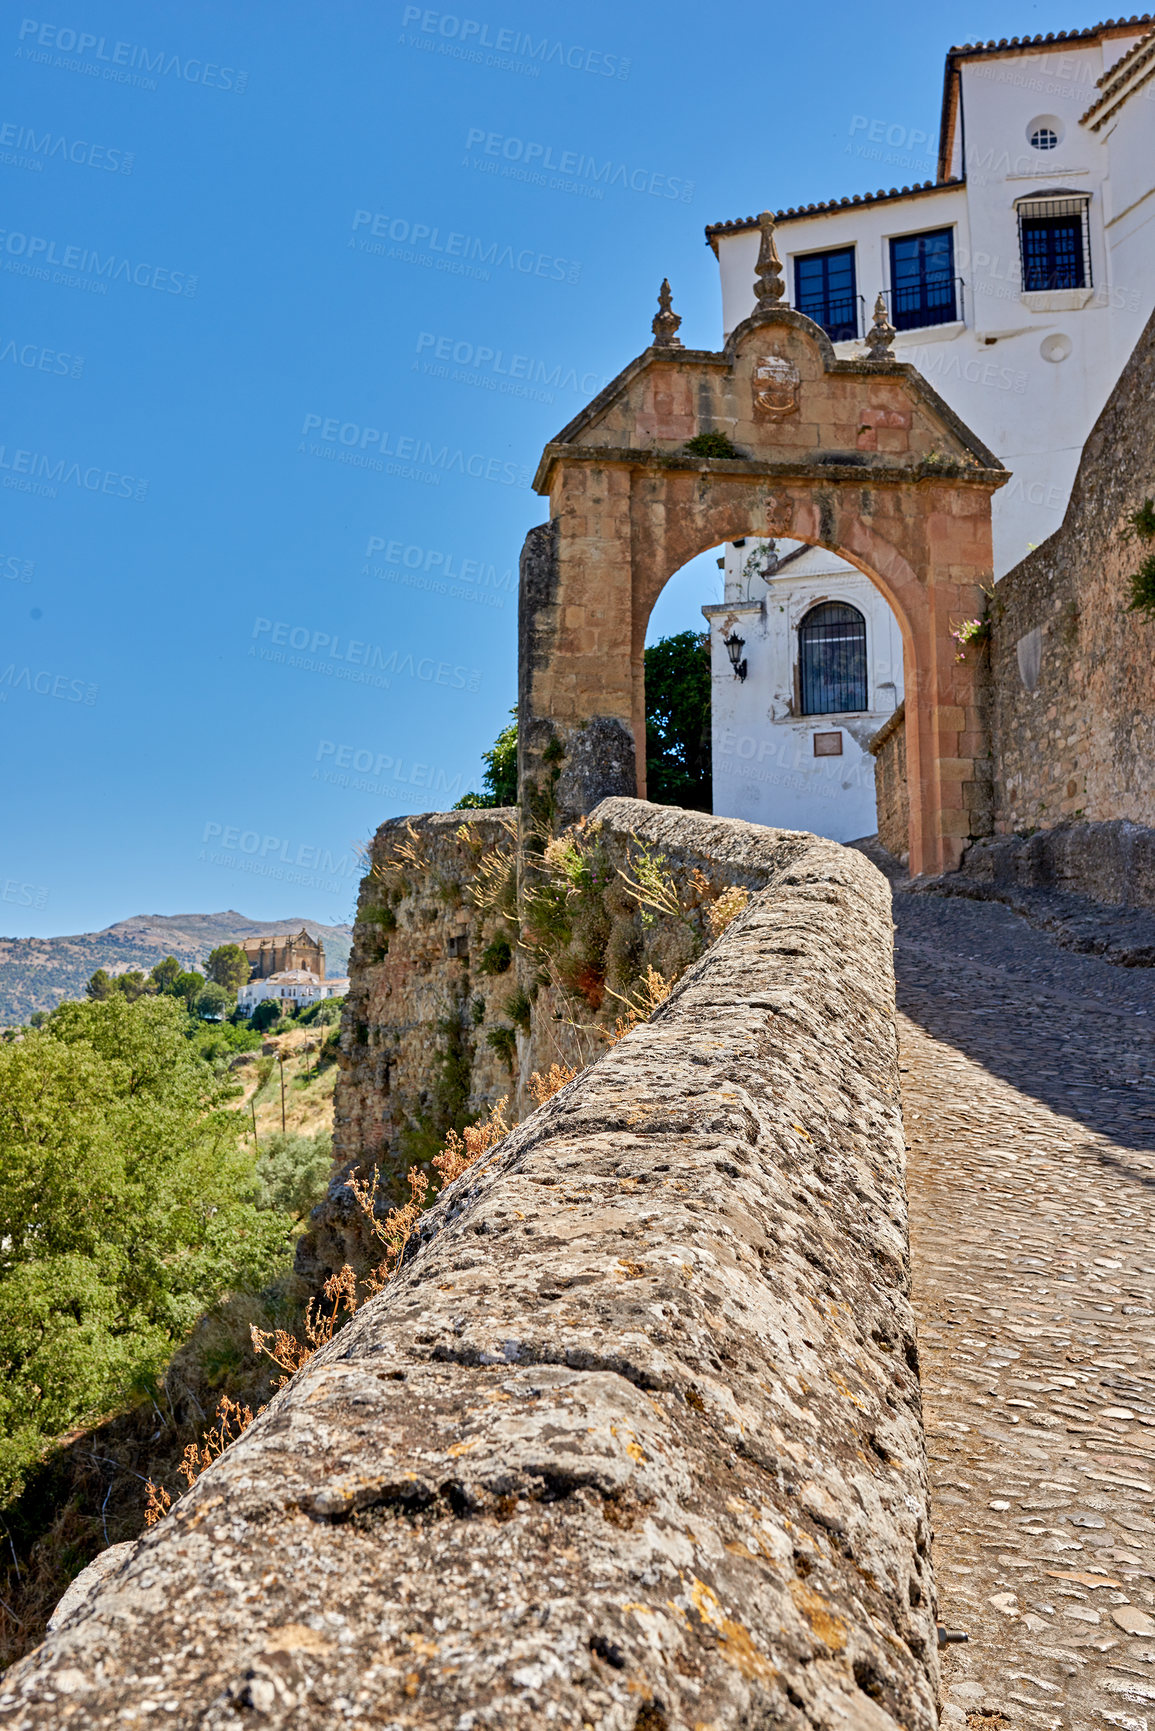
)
(777, 383)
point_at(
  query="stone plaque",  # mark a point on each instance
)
(828, 745)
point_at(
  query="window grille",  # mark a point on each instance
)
(825, 290)
(1054, 243)
(832, 659)
(922, 280)
(1044, 138)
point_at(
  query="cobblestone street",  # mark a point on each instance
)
(1029, 1098)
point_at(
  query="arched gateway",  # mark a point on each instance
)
(861, 457)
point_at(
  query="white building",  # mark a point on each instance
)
(1019, 281)
(817, 641)
(293, 988)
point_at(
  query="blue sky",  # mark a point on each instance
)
(292, 298)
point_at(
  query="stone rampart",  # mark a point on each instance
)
(632, 1440)
(1072, 670)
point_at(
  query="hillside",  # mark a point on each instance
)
(37, 973)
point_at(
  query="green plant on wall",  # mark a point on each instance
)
(710, 445)
(1141, 527)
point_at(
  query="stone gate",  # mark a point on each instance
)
(861, 457)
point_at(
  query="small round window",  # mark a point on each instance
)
(1045, 132)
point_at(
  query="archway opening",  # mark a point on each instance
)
(806, 664)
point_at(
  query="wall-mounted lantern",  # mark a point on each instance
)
(734, 647)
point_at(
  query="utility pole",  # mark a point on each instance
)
(281, 1062)
(253, 1105)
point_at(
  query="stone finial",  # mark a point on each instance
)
(666, 320)
(769, 287)
(880, 335)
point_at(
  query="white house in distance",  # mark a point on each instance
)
(1018, 281)
(294, 988)
(817, 639)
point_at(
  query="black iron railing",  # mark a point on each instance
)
(839, 315)
(932, 300)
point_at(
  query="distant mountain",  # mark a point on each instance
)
(37, 973)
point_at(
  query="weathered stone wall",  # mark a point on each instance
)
(891, 794)
(1072, 671)
(634, 1438)
(429, 979)
(456, 997)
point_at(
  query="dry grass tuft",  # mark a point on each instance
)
(544, 1088)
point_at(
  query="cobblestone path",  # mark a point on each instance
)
(1029, 1097)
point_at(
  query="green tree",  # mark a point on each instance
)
(678, 748)
(125, 1211)
(133, 984)
(214, 1002)
(228, 966)
(99, 986)
(165, 973)
(188, 985)
(500, 775)
(265, 1014)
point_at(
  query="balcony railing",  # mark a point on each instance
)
(839, 315)
(935, 300)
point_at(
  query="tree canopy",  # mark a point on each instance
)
(126, 1208)
(500, 775)
(678, 745)
(228, 966)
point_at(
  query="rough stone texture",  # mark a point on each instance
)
(633, 1441)
(1091, 884)
(862, 458)
(1029, 1102)
(1082, 742)
(413, 1052)
(888, 748)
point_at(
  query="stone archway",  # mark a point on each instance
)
(861, 457)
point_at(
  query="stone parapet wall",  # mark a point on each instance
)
(1072, 670)
(633, 1440)
(892, 796)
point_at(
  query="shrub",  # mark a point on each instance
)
(293, 1171)
(710, 445)
(496, 957)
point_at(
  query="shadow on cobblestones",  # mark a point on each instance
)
(1029, 1104)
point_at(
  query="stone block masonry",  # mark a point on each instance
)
(1072, 670)
(634, 1438)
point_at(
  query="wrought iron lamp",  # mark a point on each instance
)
(734, 646)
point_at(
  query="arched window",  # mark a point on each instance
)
(832, 659)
